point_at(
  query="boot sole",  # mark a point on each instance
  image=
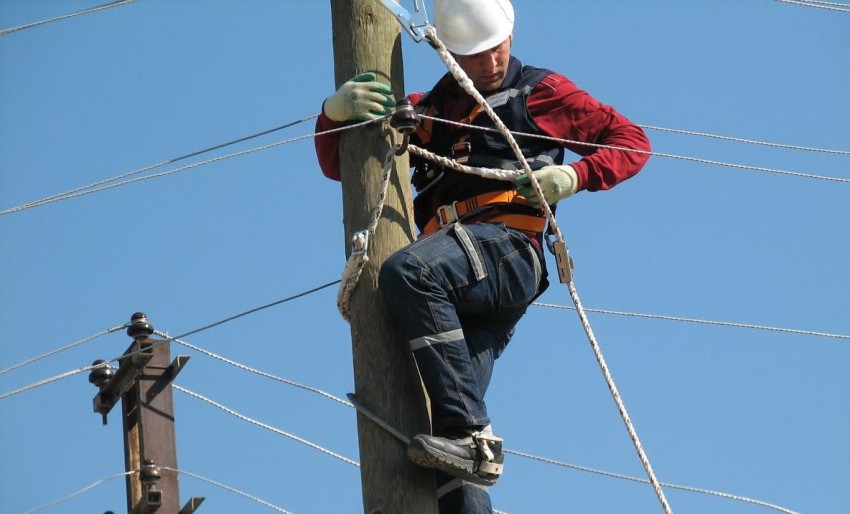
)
(429, 457)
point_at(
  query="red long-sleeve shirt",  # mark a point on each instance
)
(562, 111)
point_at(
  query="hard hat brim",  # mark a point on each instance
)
(493, 41)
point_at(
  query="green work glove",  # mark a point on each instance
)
(361, 98)
(557, 183)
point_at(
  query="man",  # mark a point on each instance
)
(459, 290)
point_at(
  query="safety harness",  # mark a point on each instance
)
(474, 198)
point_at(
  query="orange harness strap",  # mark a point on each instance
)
(456, 210)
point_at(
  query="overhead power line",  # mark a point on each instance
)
(78, 493)
(93, 187)
(645, 481)
(177, 170)
(113, 182)
(700, 321)
(748, 141)
(228, 488)
(514, 452)
(65, 16)
(260, 373)
(319, 288)
(119, 475)
(266, 426)
(62, 349)
(252, 311)
(833, 6)
(647, 152)
(73, 372)
(46, 381)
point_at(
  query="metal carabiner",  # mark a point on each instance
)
(415, 24)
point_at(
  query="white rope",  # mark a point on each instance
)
(227, 488)
(62, 349)
(78, 493)
(819, 5)
(621, 407)
(64, 16)
(645, 481)
(469, 87)
(263, 425)
(494, 173)
(648, 152)
(358, 257)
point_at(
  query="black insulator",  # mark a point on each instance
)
(101, 373)
(149, 474)
(139, 327)
(404, 119)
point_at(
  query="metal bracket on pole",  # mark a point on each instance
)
(377, 420)
(113, 384)
(176, 366)
(192, 505)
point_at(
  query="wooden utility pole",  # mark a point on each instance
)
(366, 38)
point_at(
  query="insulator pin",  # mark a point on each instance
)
(139, 327)
(404, 119)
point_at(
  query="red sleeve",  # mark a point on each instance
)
(327, 146)
(564, 111)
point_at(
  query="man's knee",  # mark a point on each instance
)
(391, 277)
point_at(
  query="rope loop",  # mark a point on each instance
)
(360, 243)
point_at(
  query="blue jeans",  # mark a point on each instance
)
(457, 294)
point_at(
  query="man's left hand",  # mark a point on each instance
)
(557, 183)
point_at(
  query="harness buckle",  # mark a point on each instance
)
(446, 214)
(461, 151)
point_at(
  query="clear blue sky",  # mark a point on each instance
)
(756, 413)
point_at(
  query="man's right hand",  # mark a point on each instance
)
(361, 98)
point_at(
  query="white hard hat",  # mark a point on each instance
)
(467, 27)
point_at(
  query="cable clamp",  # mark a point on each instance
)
(360, 242)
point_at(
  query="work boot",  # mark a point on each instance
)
(476, 457)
